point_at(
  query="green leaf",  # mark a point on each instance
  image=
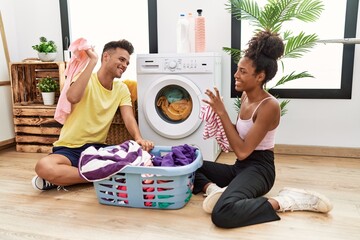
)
(245, 10)
(296, 46)
(272, 16)
(237, 104)
(48, 84)
(309, 10)
(292, 76)
(283, 105)
(45, 46)
(235, 53)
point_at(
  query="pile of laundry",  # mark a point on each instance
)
(100, 164)
(96, 165)
(175, 104)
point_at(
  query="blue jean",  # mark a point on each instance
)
(242, 203)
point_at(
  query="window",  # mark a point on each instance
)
(339, 69)
(102, 21)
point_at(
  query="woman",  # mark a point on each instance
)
(235, 192)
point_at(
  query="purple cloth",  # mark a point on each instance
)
(96, 165)
(179, 156)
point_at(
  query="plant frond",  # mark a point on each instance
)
(275, 12)
(233, 52)
(309, 10)
(296, 46)
(288, 7)
(304, 10)
(282, 104)
(287, 34)
(283, 108)
(237, 104)
(292, 76)
(282, 66)
(244, 10)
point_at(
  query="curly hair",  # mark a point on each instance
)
(124, 44)
(264, 49)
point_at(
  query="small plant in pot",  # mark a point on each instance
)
(47, 50)
(48, 86)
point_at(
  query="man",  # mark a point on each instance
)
(94, 99)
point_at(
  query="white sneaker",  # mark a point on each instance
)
(41, 184)
(213, 193)
(293, 199)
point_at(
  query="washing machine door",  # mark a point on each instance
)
(172, 105)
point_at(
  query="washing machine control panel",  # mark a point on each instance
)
(186, 65)
(178, 63)
(172, 64)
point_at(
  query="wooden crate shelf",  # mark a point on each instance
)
(35, 127)
(25, 76)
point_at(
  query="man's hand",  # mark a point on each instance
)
(92, 54)
(145, 144)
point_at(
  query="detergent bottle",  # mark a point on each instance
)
(199, 32)
(182, 34)
(191, 20)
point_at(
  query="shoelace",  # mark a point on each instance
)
(294, 205)
(59, 188)
(47, 184)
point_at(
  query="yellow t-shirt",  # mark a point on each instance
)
(90, 119)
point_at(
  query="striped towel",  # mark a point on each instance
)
(213, 127)
(96, 165)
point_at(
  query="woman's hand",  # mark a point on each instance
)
(215, 101)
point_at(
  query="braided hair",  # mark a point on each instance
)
(265, 48)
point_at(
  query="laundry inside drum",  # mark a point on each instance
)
(173, 104)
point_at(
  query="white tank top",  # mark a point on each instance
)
(243, 127)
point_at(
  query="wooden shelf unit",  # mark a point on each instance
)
(35, 126)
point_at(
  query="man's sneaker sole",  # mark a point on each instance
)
(324, 204)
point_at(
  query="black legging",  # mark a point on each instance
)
(248, 180)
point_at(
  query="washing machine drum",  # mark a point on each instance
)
(174, 103)
(172, 107)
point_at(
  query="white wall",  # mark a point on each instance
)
(6, 120)
(308, 122)
(113, 28)
(26, 21)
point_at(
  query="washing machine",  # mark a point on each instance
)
(170, 92)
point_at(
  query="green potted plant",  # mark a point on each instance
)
(47, 50)
(271, 17)
(48, 86)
